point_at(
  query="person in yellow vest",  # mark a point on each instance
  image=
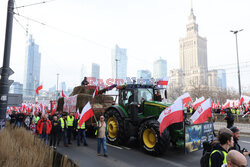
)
(237, 111)
(233, 110)
(81, 133)
(63, 124)
(70, 121)
(219, 153)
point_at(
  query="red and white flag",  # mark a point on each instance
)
(63, 95)
(185, 98)
(163, 81)
(87, 113)
(39, 88)
(227, 104)
(202, 113)
(198, 102)
(172, 114)
(95, 93)
(77, 113)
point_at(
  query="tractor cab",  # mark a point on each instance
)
(139, 97)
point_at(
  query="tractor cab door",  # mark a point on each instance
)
(126, 97)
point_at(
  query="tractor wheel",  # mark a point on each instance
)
(150, 138)
(116, 128)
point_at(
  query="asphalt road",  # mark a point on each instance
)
(132, 156)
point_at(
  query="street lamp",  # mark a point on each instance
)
(116, 70)
(235, 33)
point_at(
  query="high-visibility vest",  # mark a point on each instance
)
(233, 111)
(70, 121)
(191, 110)
(238, 112)
(224, 160)
(37, 118)
(82, 126)
(62, 123)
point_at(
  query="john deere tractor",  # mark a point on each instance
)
(136, 116)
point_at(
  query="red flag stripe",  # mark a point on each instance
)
(174, 117)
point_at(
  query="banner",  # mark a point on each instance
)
(195, 135)
(70, 104)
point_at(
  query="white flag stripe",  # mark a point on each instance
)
(85, 109)
(203, 107)
(198, 100)
(171, 109)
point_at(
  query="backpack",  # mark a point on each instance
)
(207, 150)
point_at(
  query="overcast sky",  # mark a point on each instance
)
(84, 31)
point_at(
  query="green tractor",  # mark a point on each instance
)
(136, 116)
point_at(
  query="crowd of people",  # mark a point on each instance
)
(60, 126)
(225, 150)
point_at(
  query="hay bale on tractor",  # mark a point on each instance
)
(84, 95)
(83, 89)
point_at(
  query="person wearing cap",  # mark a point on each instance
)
(236, 159)
(236, 136)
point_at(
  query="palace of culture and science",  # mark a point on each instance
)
(193, 62)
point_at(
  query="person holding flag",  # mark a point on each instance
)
(81, 133)
(101, 136)
(86, 113)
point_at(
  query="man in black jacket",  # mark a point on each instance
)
(55, 132)
(236, 136)
(229, 118)
(219, 154)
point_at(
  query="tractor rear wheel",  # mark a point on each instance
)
(116, 127)
(150, 138)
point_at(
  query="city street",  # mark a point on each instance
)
(132, 156)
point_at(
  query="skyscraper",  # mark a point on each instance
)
(63, 86)
(119, 62)
(144, 74)
(83, 72)
(32, 67)
(95, 72)
(193, 54)
(160, 69)
(222, 79)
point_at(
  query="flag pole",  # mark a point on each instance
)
(92, 104)
(184, 129)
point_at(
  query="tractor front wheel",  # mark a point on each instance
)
(116, 128)
(150, 138)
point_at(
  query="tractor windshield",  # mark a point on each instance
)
(145, 94)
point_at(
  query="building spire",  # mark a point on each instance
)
(191, 5)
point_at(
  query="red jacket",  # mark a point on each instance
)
(39, 126)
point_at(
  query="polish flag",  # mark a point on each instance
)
(87, 113)
(63, 95)
(95, 93)
(198, 102)
(202, 113)
(241, 100)
(227, 104)
(185, 98)
(77, 113)
(170, 115)
(233, 105)
(39, 88)
(163, 81)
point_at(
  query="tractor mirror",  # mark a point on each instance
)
(166, 94)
